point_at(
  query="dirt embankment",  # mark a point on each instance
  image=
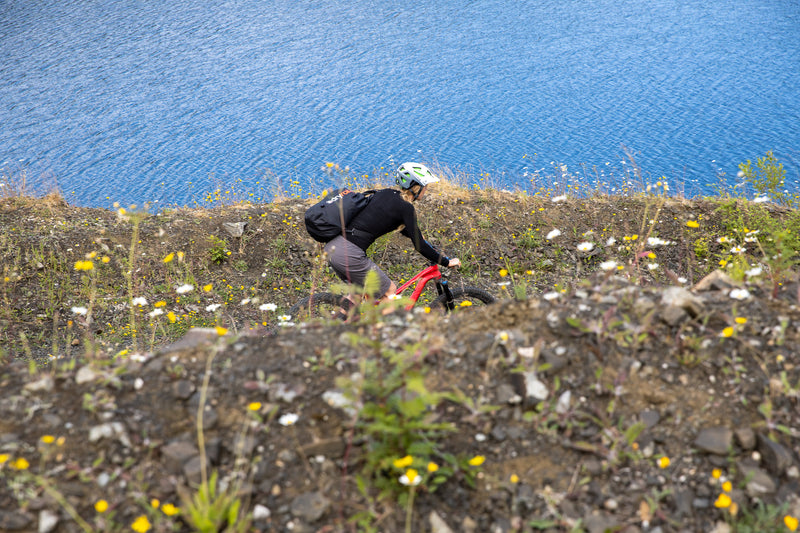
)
(618, 397)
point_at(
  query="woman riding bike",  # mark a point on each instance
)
(388, 210)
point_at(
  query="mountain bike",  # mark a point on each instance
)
(338, 306)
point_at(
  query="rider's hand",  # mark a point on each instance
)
(454, 262)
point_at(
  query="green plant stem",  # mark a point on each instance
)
(410, 508)
(57, 496)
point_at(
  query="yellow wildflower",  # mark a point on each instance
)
(692, 224)
(740, 320)
(514, 478)
(465, 303)
(105, 259)
(791, 522)
(3, 458)
(170, 257)
(221, 331)
(716, 473)
(48, 439)
(20, 464)
(141, 524)
(477, 460)
(723, 501)
(403, 462)
(101, 506)
(727, 332)
(727, 486)
(254, 406)
(503, 272)
(84, 265)
(155, 503)
(169, 509)
(207, 288)
(663, 462)
(171, 317)
(432, 467)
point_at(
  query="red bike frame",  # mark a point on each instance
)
(432, 273)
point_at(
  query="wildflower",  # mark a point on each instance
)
(4, 457)
(285, 318)
(740, 320)
(502, 337)
(738, 250)
(692, 224)
(427, 310)
(169, 509)
(245, 301)
(267, 307)
(465, 303)
(84, 265)
(101, 506)
(181, 256)
(514, 479)
(727, 486)
(207, 288)
(48, 439)
(653, 266)
(716, 473)
(727, 332)
(723, 501)
(171, 317)
(477, 460)
(213, 307)
(411, 478)
(651, 255)
(585, 246)
(403, 462)
(221, 331)
(739, 294)
(761, 200)
(155, 503)
(432, 467)
(105, 259)
(288, 419)
(663, 462)
(254, 406)
(723, 240)
(791, 522)
(552, 295)
(160, 303)
(80, 310)
(753, 272)
(553, 234)
(611, 241)
(170, 257)
(558, 199)
(20, 464)
(140, 301)
(503, 272)
(141, 525)
(156, 312)
(682, 280)
(183, 289)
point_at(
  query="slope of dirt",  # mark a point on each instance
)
(618, 400)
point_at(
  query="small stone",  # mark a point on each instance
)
(310, 506)
(468, 525)
(261, 512)
(759, 483)
(776, 457)
(534, 388)
(45, 384)
(649, 418)
(672, 315)
(611, 504)
(183, 389)
(682, 298)
(234, 229)
(48, 520)
(85, 375)
(746, 438)
(716, 440)
(438, 525)
(14, 521)
(176, 454)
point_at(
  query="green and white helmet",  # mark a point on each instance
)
(410, 174)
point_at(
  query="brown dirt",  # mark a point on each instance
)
(624, 354)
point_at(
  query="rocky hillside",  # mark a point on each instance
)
(620, 383)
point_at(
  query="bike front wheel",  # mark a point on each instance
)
(463, 297)
(321, 305)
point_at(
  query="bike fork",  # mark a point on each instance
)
(444, 289)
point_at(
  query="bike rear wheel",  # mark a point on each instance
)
(464, 297)
(321, 305)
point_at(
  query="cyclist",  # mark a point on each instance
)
(388, 210)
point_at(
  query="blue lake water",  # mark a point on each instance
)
(135, 101)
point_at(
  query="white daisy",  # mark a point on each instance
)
(553, 234)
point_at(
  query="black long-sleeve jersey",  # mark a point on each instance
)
(386, 212)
